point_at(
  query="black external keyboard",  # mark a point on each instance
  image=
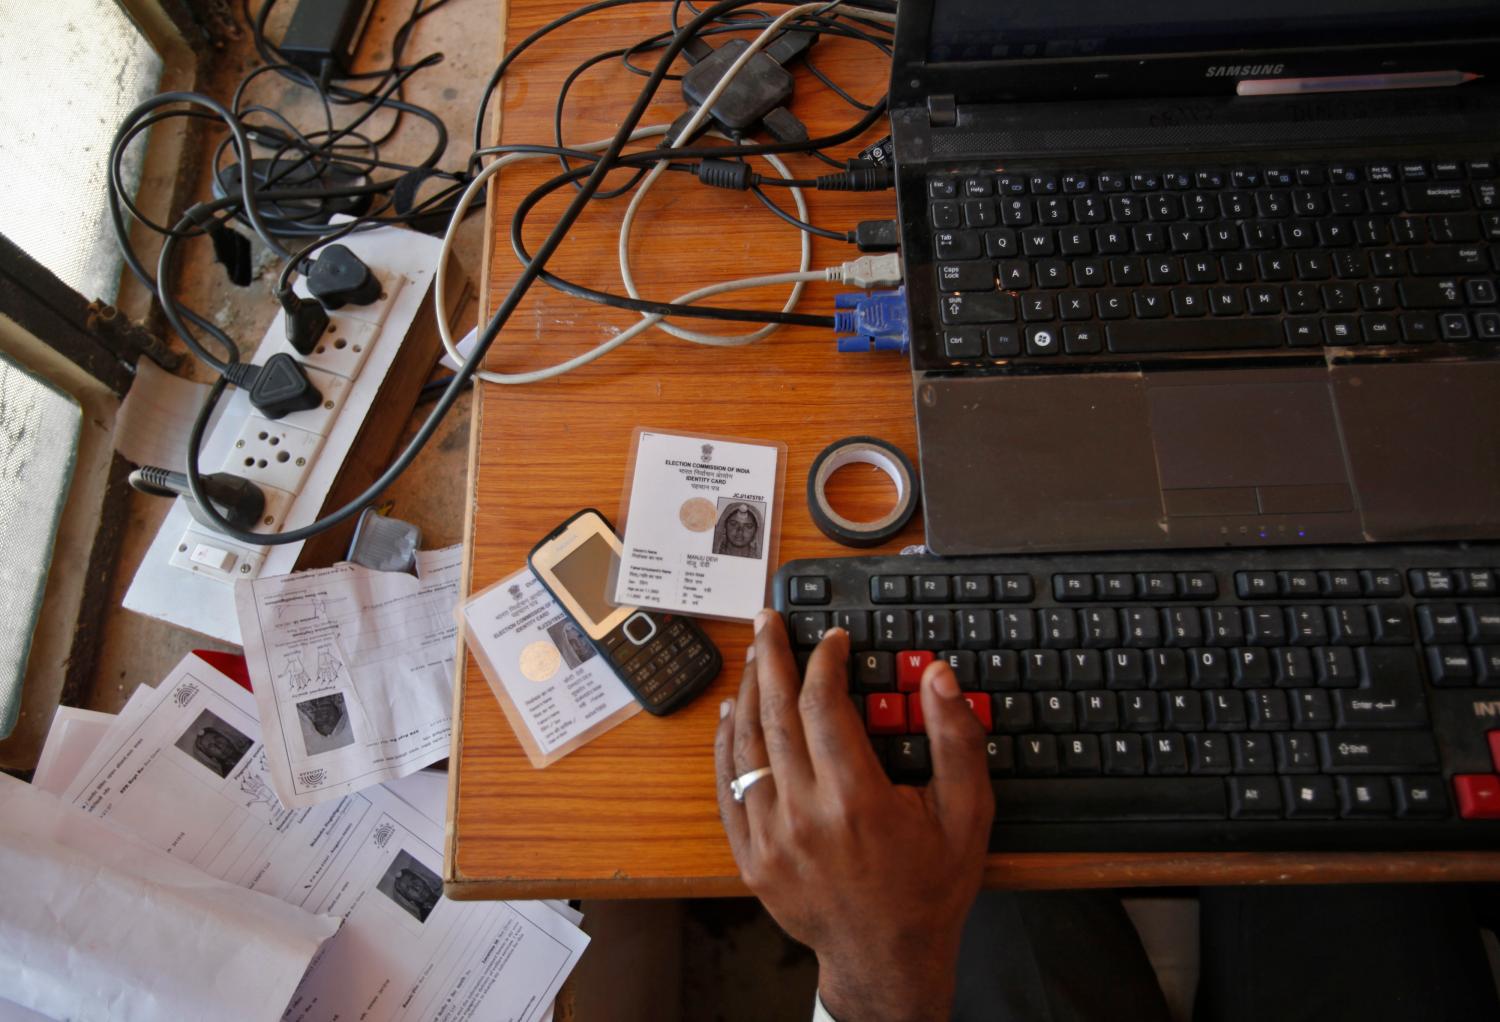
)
(1395, 258)
(1346, 698)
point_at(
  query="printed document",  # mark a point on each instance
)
(97, 926)
(353, 672)
(191, 776)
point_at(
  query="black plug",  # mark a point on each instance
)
(305, 321)
(232, 250)
(340, 278)
(237, 500)
(277, 388)
(877, 236)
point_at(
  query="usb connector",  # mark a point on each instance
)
(869, 271)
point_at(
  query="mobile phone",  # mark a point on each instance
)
(664, 659)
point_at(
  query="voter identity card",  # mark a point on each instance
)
(702, 522)
(552, 684)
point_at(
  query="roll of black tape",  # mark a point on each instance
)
(866, 450)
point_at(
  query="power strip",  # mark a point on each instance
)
(187, 576)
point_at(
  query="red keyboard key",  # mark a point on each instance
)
(1495, 749)
(885, 714)
(914, 714)
(979, 702)
(910, 664)
(1478, 796)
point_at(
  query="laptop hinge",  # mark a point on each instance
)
(942, 111)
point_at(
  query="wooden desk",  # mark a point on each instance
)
(633, 814)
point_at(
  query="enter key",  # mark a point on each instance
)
(1390, 693)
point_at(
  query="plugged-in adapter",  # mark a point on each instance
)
(306, 320)
(277, 388)
(339, 277)
(234, 498)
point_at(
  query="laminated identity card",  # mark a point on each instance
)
(702, 524)
(555, 688)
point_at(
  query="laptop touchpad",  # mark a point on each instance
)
(1248, 447)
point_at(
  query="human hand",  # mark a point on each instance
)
(876, 878)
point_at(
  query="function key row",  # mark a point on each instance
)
(1047, 183)
(1152, 211)
(1263, 585)
(815, 590)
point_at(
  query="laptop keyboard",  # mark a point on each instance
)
(1059, 266)
(1252, 699)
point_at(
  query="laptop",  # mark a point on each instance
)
(1167, 291)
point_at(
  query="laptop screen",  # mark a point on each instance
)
(968, 30)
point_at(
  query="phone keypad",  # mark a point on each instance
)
(675, 658)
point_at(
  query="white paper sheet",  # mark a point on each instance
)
(189, 775)
(554, 687)
(70, 739)
(74, 735)
(353, 672)
(157, 415)
(426, 791)
(95, 924)
(698, 531)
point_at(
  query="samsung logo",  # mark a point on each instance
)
(1243, 70)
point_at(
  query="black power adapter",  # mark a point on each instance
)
(326, 33)
(339, 277)
(277, 388)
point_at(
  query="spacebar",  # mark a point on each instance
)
(1132, 337)
(1108, 798)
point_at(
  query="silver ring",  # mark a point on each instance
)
(744, 782)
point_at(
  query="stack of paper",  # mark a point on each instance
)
(353, 673)
(97, 925)
(184, 769)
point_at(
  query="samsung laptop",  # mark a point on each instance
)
(1166, 290)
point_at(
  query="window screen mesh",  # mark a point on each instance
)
(39, 430)
(73, 69)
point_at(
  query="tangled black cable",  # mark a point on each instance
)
(301, 163)
(607, 161)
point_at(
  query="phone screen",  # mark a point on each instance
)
(585, 573)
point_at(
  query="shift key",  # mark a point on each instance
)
(1431, 294)
(1357, 752)
(965, 308)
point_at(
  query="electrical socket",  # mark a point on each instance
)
(350, 335)
(391, 283)
(273, 454)
(343, 348)
(278, 506)
(319, 420)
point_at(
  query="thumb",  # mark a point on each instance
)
(960, 791)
